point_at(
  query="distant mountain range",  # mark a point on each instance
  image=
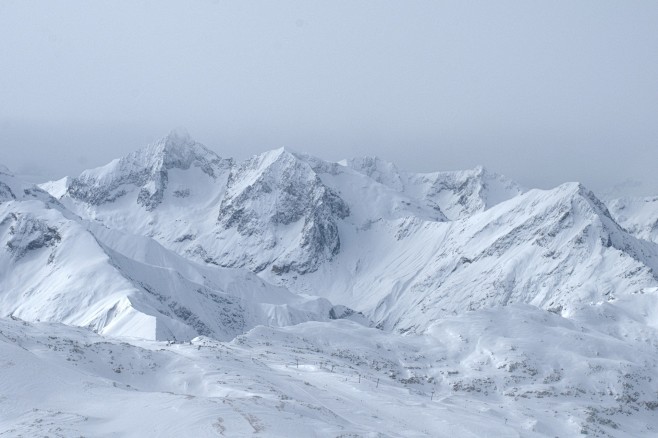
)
(402, 248)
(176, 243)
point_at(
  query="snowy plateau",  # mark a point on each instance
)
(175, 292)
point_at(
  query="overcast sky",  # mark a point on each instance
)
(544, 92)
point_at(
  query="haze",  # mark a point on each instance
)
(543, 92)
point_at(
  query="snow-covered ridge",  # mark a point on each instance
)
(557, 249)
(457, 194)
(58, 267)
(403, 248)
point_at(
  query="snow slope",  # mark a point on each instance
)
(505, 372)
(637, 215)
(557, 249)
(457, 194)
(56, 267)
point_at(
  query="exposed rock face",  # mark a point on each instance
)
(29, 233)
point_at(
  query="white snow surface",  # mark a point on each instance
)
(505, 372)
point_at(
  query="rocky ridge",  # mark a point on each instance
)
(402, 248)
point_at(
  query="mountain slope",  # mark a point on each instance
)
(558, 249)
(637, 215)
(276, 197)
(457, 194)
(56, 267)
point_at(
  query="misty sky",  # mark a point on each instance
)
(544, 92)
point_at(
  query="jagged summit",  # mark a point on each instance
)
(178, 150)
(463, 193)
(148, 169)
(178, 136)
(273, 200)
(275, 161)
(277, 193)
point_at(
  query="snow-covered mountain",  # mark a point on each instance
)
(403, 248)
(557, 249)
(322, 299)
(57, 267)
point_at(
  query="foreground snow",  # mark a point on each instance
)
(508, 371)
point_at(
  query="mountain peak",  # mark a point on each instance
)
(277, 193)
(176, 149)
(178, 136)
(480, 170)
(147, 168)
(179, 142)
(277, 154)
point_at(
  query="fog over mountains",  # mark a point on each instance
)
(285, 295)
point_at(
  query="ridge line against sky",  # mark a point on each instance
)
(541, 92)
